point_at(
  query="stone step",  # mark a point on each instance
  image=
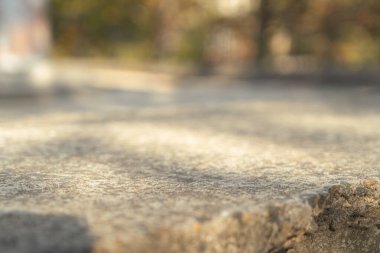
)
(259, 168)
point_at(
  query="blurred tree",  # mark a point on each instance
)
(264, 17)
(329, 33)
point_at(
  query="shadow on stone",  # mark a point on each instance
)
(24, 232)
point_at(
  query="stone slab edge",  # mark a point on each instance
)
(277, 226)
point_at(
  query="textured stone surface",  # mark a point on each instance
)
(238, 169)
(348, 222)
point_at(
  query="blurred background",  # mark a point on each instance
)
(239, 36)
(286, 36)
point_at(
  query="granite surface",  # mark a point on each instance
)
(201, 169)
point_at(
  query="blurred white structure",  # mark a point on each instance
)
(234, 8)
(24, 34)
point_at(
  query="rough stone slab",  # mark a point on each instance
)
(239, 169)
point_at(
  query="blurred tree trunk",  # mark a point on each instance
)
(262, 39)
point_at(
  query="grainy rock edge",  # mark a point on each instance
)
(346, 219)
(338, 218)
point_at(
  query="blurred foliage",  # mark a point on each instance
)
(276, 33)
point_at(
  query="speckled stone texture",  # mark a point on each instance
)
(205, 169)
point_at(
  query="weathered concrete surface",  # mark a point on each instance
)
(191, 170)
(348, 221)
